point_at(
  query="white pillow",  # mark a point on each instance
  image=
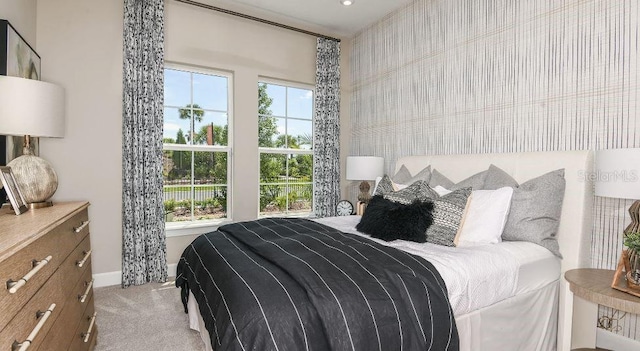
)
(378, 179)
(486, 217)
(397, 186)
(441, 190)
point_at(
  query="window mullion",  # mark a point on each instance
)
(193, 185)
(193, 155)
(286, 186)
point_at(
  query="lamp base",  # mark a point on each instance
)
(634, 212)
(35, 177)
(364, 195)
(37, 205)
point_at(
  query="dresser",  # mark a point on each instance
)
(46, 297)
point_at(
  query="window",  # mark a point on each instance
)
(285, 140)
(196, 147)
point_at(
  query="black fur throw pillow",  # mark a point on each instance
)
(388, 220)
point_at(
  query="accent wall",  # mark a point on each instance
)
(461, 77)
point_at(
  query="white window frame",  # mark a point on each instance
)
(203, 226)
(287, 151)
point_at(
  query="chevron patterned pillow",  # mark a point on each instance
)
(448, 212)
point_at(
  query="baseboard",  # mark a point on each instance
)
(107, 279)
(611, 341)
(115, 278)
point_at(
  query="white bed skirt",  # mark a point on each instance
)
(525, 322)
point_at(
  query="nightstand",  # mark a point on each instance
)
(592, 287)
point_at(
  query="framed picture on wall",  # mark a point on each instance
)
(17, 57)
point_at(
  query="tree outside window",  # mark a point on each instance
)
(285, 129)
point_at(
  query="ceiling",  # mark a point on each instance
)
(328, 17)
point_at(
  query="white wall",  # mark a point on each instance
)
(80, 43)
(22, 16)
(81, 47)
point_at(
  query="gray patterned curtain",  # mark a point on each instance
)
(143, 238)
(326, 129)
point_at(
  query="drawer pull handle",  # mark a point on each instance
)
(83, 297)
(79, 229)
(14, 286)
(87, 335)
(84, 259)
(43, 316)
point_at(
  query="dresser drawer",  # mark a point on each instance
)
(72, 231)
(76, 264)
(21, 264)
(85, 335)
(27, 319)
(61, 334)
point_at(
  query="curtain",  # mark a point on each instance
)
(143, 237)
(326, 129)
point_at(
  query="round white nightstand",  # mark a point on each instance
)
(592, 287)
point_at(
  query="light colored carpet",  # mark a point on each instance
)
(148, 317)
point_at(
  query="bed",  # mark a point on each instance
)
(529, 306)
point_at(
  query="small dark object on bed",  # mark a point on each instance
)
(388, 220)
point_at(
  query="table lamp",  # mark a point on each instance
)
(32, 108)
(364, 168)
(618, 176)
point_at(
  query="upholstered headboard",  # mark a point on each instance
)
(574, 234)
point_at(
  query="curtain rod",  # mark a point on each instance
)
(242, 15)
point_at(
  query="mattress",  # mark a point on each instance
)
(479, 276)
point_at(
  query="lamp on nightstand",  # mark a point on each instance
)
(364, 168)
(32, 108)
(618, 176)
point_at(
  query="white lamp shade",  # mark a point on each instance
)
(364, 167)
(31, 107)
(618, 173)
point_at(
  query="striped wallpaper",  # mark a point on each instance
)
(458, 76)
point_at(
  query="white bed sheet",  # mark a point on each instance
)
(477, 276)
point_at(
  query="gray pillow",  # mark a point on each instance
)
(417, 191)
(438, 179)
(476, 182)
(404, 177)
(447, 215)
(535, 211)
(497, 178)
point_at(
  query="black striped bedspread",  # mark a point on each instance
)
(294, 284)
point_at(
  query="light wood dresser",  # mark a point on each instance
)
(46, 297)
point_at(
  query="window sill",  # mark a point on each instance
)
(174, 229)
(289, 215)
